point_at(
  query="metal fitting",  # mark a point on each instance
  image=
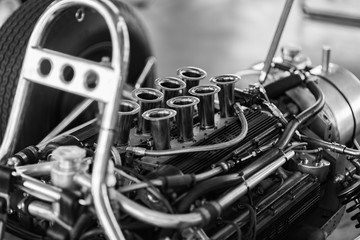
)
(69, 161)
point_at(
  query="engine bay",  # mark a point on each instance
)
(269, 152)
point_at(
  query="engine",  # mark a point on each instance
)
(189, 157)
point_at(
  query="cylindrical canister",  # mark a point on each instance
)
(226, 95)
(184, 106)
(148, 98)
(160, 126)
(170, 87)
(206, 106)
(191, 76)
(126, 113)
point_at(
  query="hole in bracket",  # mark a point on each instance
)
(45, 67)
(67, 73)
(80, 15)
(91, 80)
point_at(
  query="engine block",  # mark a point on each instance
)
(267, 153)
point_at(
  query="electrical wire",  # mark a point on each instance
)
(251, 234)
(237, 228)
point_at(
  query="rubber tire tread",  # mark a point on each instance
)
(14, 35)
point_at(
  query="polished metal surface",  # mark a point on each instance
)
(240, 44)
(226, 94)
(206, 106)
(191, 76)
(160, 126)
(202, 148)
(184, 106)
(170, 87)
(231, 196)
(90, 79)
(325, 59)
(148, 98)
(348, 86)
(69, 161)
(156, 218)
(127, 111)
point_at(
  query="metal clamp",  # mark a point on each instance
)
(89, 79)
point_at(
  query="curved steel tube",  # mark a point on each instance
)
(232, 196)
(334, 147)
(288, 133)
(303, 116)
(202, 214)
(213, 147)
(157, 218)
(118, 68)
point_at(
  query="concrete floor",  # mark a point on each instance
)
(225, 36)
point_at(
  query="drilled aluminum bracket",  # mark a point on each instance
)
(101, 82)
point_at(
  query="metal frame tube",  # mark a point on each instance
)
(117, 70)
(159, 219)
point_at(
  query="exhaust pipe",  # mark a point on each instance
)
(148, 98)
(184, 106)
(226, 95)
(206, 106)
(191, 76)
(160, 126)
(126, 113)
(170, 87)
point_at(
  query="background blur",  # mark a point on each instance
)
(225, 36)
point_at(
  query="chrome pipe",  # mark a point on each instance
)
(150, 62)
(36, 170)
(160, 126)
(212, 147)
(191, 76)
(126, 114)
(206, 106)
(148, 98)
(325, 59)
(275, 41)
(45, 211)
(156, 218)
(184, 106)
(208, 174)
(226, 94)
(114, 73)
(41, 210)
(171, 87)
(39, 189)
(233, 195)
